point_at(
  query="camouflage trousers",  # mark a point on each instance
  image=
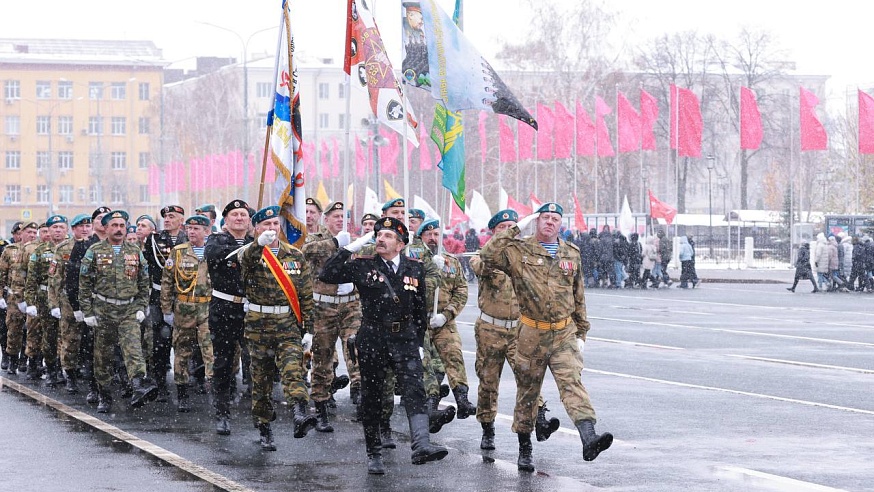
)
(556, 349)
(431, 365)
(274, 343)
(190, 326)
(70, 339)
(447, 341)
(494, 345)
(333, 321)
(117, 325)
(14, 329)
(35, 325)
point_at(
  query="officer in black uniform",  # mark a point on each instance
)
(226, 313)
(393, 324)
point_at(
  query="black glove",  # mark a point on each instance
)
(350, 347)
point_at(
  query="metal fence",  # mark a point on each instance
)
(766, 253)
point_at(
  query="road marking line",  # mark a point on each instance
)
(804, 364)
(810, 322)
(162, 454)
(638, 344)
(769, 480)
(661, 310)
(729, 304)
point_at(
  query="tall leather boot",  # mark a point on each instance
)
(4, 359)
(437, 418)
(423, 450)
(465, 407)
(144, 391)
(12, 370)
(525, 462)
(104, 400)
(184, 405)
(52, 379)
(303, 421)
(33, 369)
(222, 414)
(266, 432)
(593, 443)
(93, 395)
(72, 380)
(322, 424)
(488, 440)
(372, 440)
(385, 435)
(543, 427)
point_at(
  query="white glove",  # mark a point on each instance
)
(141, 316)
(246, 307)
(356, 245)
(581, 345)
(439, 261)
(3, 303)
(343, 238)
(22, 306)
(31, 311)
(56, 313)
(266, 237)
(307, 342)
(168, 318)
(344, 289)
(79, 316)
(523, 223)
(438, 320)
(421, 353)
(90, 321)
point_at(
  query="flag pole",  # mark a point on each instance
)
(597, 180)
(270, 120)
(348, 200)
(616, 159)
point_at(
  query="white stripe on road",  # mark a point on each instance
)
(803, 364)
(607, 340)
(810, 322)
(775, 482)
(661, 310)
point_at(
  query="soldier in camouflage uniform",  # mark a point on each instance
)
(547, 277)
(114, 296)
(4, 361)
(70, 335)
(10, 270)
(273, 331)
(337, 315)
(368, 220)
(185, 295)
(495, 331)
(32, 328)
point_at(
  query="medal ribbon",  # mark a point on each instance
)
(284, 281)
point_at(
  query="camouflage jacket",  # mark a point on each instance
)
(18, 274)
(117, 276)
(262, 288)
(496, 295)
(40, 266)
(453, 289)
(10, 257)
(58, 272)
(548, 289)
(184, 275)
(318, 248)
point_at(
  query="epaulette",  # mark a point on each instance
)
(572, 245)
(181, 246)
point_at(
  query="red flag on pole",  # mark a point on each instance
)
(628, 123)
(661, 210)
(564, 132)
(519, 207)
(585, 132)
(750, 120)
(602, 135)
(866, 123)
(508, 141)
(813, 136)
(649, 114)
(686, 123)
(526, 140)
(579, 220)
(545, 129)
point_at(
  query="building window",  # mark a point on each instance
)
(65, 193)
(117, 194)
(13, 159)
(119, 124)
(145, 125)
(118, 91)
(93, 193)
(65, 89)
(144, 91)
(119, 160)
(341, 121)
(13, 194)
(93, 163)
(12, 89)
(43, 159)
(43, 194)
(43, 89)
(65, 160)
(43, 125)
(262, 118)
(144, 160)
(65, 125)
(144, 193)
(95, 90)
(324, 119)
(263, 89)
(13, 125)
(341, 90)
(324, 90)
(95, 125)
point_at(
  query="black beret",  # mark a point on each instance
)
(394, 225)
(234, 205)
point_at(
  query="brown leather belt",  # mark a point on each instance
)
(193, 299)
(545, 325)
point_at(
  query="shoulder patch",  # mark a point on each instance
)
(181, 246)
(572, 245)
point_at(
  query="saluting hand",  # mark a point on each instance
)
(266, 237)
(356, 245)
(523, 223)
(343, 238)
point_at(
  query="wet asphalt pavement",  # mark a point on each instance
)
(724, 387)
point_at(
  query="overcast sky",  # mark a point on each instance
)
(832, 38)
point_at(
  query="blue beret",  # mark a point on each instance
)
(131, 229)
(416, 213)
(200, 220)
(205, 208)
(428, 225)
(80, 219)
(118, 214)
(394, 225)
(264, 214)
(149, 218)
(397, 202)
(503, 216)
(550, 207)
(56, 219)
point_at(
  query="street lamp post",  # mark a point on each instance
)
(723, 183)
(711, 163)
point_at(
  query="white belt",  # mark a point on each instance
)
(334, 299)
(268, 309)
(44, 287)
(156, 286)
(506, 323)
(228, 297)
(117, 302)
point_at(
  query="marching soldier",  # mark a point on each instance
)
(114, 295)
(10, 270)
(32, 327)
(547, 276)
(4, 360)
(394, 320)
(279, 288)
(185, 295)
(495, 331)
(314, 215)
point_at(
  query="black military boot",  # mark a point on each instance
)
(593, 443)
(72, 379)
(372, 440)
(104, 400)
(22, 362)
(423, 450)
(385, 434)
(525, 462)
(339, 383)
(12, 370)
(266, 432)
(93, 395)
(437, 418)
(444, 390)
(303, 421)
(322, 424)
(4, 360)
(33, 369)
(52, 379)
(488, 440)
(355, 395)
(544, 428)
(465, 407)
(182, 398)
(222, 415)
(144, 391)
